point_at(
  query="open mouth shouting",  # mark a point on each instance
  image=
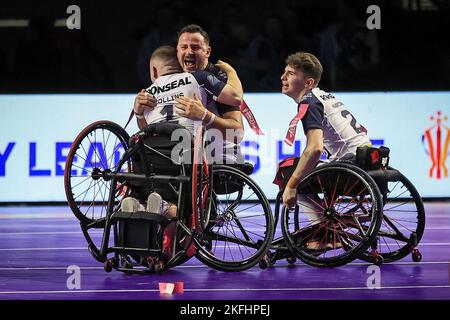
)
(189, 63)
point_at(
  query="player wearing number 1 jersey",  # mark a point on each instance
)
(171, 83)
(327, 123)
(158, 104)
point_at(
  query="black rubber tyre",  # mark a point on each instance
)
(403, 220)
(346, 206)
(240, 229)
(99, 146)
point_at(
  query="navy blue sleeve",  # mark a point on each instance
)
(221, 75)
(209, 82)
(313, 118)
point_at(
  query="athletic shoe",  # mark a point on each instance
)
(131, 205)
(154, 203)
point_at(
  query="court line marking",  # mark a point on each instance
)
(47, 233)
(284, 265)
(101, 232)
(43, 249)
(69, 215)
(85, 248)
(228, 290)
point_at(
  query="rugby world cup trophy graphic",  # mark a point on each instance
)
(436, 141)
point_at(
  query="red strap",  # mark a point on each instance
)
(279, 178)
(287, 162)
(290, 135)
(129, 118)
(248, 114)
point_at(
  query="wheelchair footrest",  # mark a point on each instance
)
(142, 215)
(129, 250)
(139, 232)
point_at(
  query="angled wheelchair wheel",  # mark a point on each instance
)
(337, 216)
(201, 182)
(403, 222)
(98, 148)
(201, 196)
(239, 229)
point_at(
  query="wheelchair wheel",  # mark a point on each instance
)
(201, 196)
(240, 227)
(338, 218)
(96, 149)
(201, 180)
(403, 221)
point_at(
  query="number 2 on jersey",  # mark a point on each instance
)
(355, 125)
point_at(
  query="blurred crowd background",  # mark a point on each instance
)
(110, 53)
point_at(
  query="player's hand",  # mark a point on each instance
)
(224, 66)
(289, 197)
(190, 108)
(144, 100)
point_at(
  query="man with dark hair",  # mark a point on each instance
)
(327, 124)
(171, 83)
(193, 51)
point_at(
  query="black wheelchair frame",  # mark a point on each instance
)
(396, 217)
(213, 205)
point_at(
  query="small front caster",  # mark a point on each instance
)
(266, 261)
(107, 266)
(416, 255)
(291, 259)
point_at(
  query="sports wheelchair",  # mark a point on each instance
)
(363, 209)
(223, 218)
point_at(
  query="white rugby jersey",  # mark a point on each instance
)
(166, 89)
(342, 134)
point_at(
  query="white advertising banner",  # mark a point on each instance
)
(37, 130)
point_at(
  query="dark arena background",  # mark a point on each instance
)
(67, 64)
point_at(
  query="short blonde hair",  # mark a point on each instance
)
(165, 53)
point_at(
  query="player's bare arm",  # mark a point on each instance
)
(142, 101)
(232, 93)
(306, 163)
(194, 109)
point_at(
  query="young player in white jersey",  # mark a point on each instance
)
(327, 124)
(341, 132)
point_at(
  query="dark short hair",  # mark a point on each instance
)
(165, 53)
(307, 63)
(194, 28)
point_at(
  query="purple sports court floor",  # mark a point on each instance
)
(38, 244)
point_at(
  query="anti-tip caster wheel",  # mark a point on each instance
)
(263, 264)
(378, 260)
(291, 260)
(159, 267)
(416, 255)
(266, 261)
(107, 266)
